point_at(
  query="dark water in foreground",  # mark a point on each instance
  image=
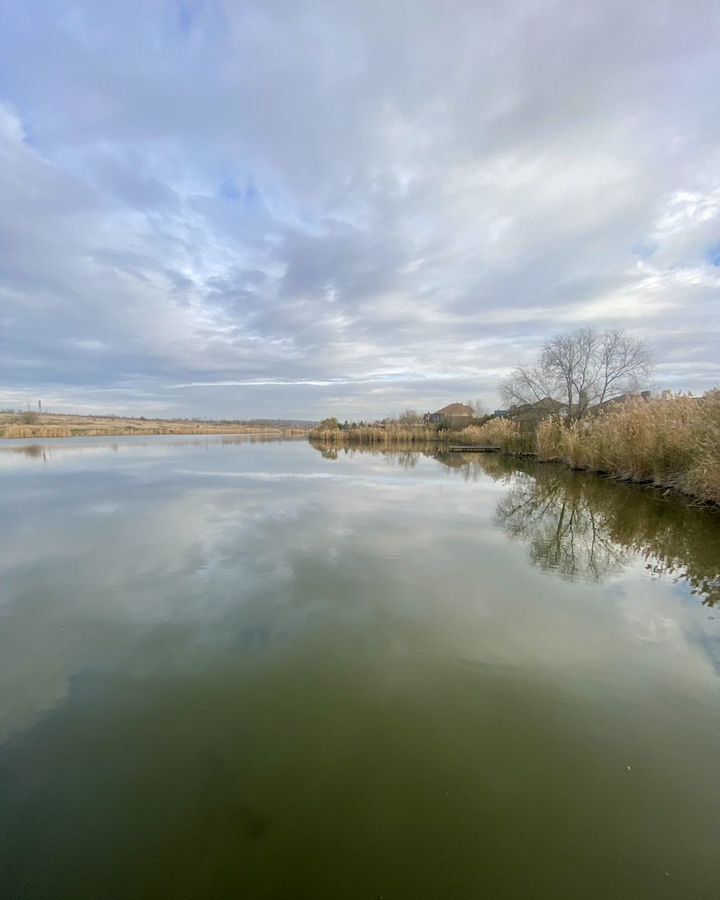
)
(246, 670)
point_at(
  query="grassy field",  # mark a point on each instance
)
(34, 425)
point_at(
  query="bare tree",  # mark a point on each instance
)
(477, 406)
(581, 369)
(410, 417)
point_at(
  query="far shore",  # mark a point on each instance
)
(37, 425)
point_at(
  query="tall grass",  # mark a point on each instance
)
(29, 431)
(508, 435)
(392, 434)
(672, 442)
(58, 426)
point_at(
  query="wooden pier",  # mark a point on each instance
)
(475, 449)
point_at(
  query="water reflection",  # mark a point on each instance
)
(32, 451)
(17, 454)
(581, 526)
(47, 448)
(562, 525)
(253, 671)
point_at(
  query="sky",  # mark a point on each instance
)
(296, 209)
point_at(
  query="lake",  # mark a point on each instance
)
(245, 669)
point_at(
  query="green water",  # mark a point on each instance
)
(257, 670)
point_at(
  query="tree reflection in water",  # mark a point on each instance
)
(565, 532)
(583, 526)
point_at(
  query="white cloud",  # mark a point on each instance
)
(277, 200)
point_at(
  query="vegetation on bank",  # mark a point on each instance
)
(406, 429)
(502, 433)
(671, 441)
(36, 425)
(389, 434)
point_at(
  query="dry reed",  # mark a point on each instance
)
(394, 435)
(670, 441)
(506, 434)
(59, 426)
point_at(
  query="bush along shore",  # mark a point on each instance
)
(670, 442)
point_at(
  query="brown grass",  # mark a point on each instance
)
(508, 435)
(671, 442)
(495, 433)
(392, 435)
(33, 425)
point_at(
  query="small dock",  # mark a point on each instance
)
(478, 448)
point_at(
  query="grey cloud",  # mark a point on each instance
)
(308, 194)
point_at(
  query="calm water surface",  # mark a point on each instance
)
(258, 670)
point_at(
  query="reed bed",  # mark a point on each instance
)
(395, 435)
(57, 426)
(671, 442)
(510, 436)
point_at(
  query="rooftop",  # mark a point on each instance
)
(456, 409)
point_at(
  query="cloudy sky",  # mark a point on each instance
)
(267, 208)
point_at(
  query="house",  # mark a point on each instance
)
(622, 398)
(454, 414)
(529, 415)
(535, 412)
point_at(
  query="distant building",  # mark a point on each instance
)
(529, 415)
(623, 398)
(532, 413)
(535, 412)
(453, 414)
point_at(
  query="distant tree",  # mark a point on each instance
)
(477, 406)
(330, 424)
(581, 369)
(410, 417)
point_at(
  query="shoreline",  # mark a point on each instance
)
(30, 426)
(137, 428)
(218, 432)
(663, 487)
